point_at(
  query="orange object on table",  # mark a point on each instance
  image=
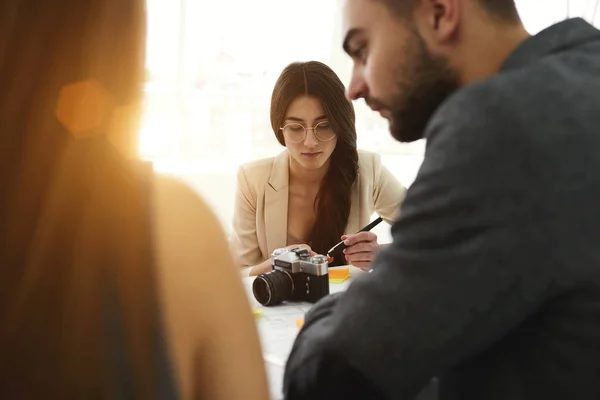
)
(300, 323)
(339, 273)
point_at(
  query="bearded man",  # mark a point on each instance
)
(492, 282)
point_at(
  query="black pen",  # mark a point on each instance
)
(338, 248)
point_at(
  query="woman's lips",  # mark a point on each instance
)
(312, 155)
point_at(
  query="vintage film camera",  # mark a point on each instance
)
(296, 276)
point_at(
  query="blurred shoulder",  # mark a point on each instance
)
(190, 244)
(192, 262)
(181, 213)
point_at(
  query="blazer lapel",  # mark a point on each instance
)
(276, 203)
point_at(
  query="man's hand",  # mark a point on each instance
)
(361, 249)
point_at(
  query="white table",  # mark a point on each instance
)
(277, 329)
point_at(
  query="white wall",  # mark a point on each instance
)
(185, 39)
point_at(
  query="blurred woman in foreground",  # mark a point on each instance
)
(101, 295)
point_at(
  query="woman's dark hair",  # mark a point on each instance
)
(73, 255)
(333, 200)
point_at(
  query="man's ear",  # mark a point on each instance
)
(441, 18)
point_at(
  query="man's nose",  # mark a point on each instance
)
(357, 88)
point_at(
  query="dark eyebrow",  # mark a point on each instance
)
(296, 119)
(351, 33)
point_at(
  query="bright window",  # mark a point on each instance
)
(213, 64)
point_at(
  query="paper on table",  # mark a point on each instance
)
(277, 329)
(274, 360)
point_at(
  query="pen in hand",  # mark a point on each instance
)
(336, 251)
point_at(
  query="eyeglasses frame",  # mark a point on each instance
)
(306, 129)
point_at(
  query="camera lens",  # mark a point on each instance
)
(272, 288)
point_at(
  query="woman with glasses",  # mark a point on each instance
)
(320, 188)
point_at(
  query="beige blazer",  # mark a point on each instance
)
(261, 203)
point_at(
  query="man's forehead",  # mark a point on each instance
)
(350, 12)
(359, 14)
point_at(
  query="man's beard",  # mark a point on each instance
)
(423, 83)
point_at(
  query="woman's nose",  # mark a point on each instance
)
(311, 139)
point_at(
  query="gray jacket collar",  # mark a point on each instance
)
(558, 37)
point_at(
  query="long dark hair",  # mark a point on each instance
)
(71, 209)
(333, 201)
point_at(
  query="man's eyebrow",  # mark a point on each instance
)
(351, 33)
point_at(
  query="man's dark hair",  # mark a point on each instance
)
(504, 10)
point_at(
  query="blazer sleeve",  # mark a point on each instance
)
(388, 192)
(244, 242)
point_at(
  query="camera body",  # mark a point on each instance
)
(296, 276)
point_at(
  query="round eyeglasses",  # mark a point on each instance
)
(296, 132)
